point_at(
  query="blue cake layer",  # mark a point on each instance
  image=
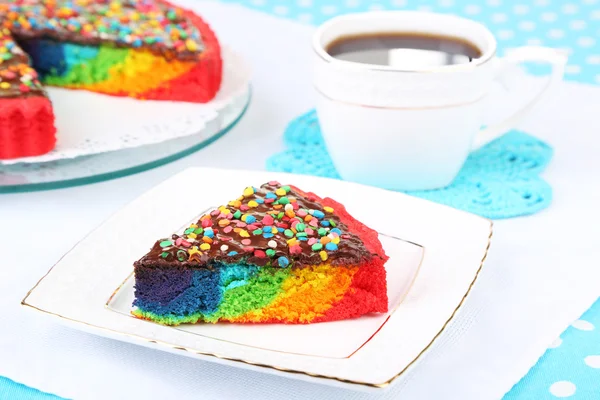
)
(181, 291)
(53, 58)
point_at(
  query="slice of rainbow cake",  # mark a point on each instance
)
(274, 255)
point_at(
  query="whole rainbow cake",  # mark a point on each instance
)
(273, 255)
(146, 49)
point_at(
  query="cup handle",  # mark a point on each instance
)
(556, 58)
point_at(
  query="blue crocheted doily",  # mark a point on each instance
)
(500, 180)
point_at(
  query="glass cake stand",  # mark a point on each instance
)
(83, 170)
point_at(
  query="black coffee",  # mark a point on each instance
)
(404, 50)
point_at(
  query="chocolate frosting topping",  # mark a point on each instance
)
(271, 225)
(17, 78)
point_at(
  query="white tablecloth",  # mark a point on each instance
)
(542, 272)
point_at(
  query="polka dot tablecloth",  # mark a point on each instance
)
(573, 25)
(571, 366)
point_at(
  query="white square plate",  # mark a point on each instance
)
(436, 254)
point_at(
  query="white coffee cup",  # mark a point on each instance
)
(412, 128)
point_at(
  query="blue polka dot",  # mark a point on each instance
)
(569, 24)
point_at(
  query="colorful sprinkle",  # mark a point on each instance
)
(283, 261)
(296, 249)
(323, 255)
(182, 255)
(249, 191)
(317, 214)
(331, 246)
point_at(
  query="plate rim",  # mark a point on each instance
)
(173, 346)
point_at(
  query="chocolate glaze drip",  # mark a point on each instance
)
(350, 250)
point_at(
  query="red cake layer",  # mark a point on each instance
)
(26, 127)
(202, 82)
(368, 291)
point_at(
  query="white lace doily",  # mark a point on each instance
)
(91, 123)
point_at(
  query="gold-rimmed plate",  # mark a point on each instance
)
(431, 271)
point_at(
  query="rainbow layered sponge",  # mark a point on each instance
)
(129, 71)
(274, 255)
(145, 49)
